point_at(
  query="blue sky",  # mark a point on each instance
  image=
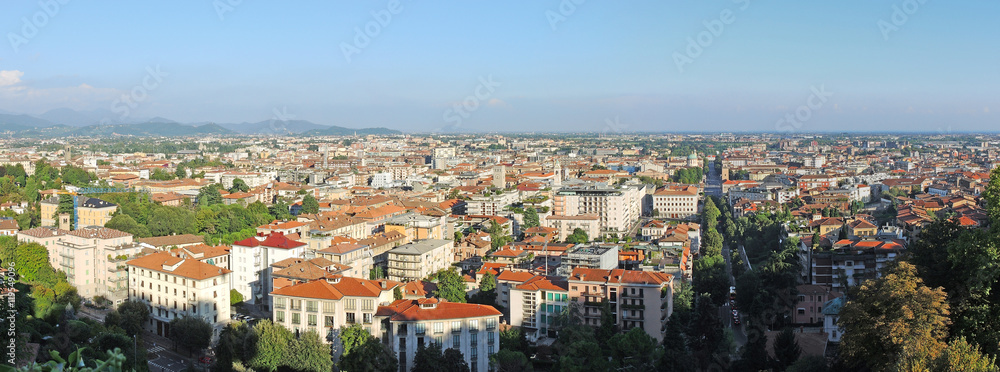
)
(549, 65)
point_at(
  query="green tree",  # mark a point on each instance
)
(579, 236)
(510, 361)
(786, 349)
(991, 194)
(310, 205)
(209, 195)
(514, 339)
(453, 360)
(193, 333)
(364, 353)
(705, 331)
(130, 316)
(894, 322)
(239, 186)
(309, 353)
(963, 356)
(397, 293)
(235, 297)
(635, 350)
(270, 345)
(451, 286)
(124, 222)
(676, 356)
(180, 172)
(809, 363)
(530, 217)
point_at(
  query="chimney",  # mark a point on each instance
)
(385, 285)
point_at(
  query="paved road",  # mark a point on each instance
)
(739, 332)
(713, 182)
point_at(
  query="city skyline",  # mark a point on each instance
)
(733, 66)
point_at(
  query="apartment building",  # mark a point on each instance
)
(676, 201)
(852, 261)
(416, 226)
(472, 329)
(591, 256)
(90, 257)
(326, 305)
(617, 208)
(251, 260)
(641, 299)
(417, 260)
(565, 225)
(252, 179)
(358, 256)
(492, 205)
(174, 287)
(535, 304)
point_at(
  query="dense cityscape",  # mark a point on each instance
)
(499, 186)
(501, 252)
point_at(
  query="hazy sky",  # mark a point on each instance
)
(539, 65)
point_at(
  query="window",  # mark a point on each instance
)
(350, 318)
(330, 322)
(367, 304)
(420, 328)
(456, 326)
(296, 318)
(491, 323)
(474, 325)
(328, 306)
(439, 327)
(473, 340)
(802, 311)
(279, 316)
(367, 318)
(456, 342)
(349, 304)
(279, 302)
(490, 338)
(311, 306)
(215, 294)
(312, 320)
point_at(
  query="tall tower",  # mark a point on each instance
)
(326, 158)
(500, 176)
(557, 169)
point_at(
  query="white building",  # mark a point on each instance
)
(492, 205)
(617, 208)
(417, 260)
(324, 306)
(382, 180)
(175, 287)
(471, 329)
(251, 262)
(676, 202)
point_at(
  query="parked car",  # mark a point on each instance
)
(205, 359)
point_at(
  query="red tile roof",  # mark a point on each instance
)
(411, 310)
(191, 269)
(274, 240)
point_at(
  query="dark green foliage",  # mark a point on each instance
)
(451, 286)
(192, 333)
(578, 236)
(124, 222)
(786, 349)
(239, 186)
(310, 205)
(364, 353)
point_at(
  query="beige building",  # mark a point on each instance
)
(535, 303)
(91, 257)
(472, 329)
(565, 225)
(324, 306)
(617, 208)
(417, 260)
(641, 299)
(90, 211)
(175, 287)
(676, 202)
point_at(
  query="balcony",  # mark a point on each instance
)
(117, 268)
(117, 279)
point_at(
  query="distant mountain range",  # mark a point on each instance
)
(69, 122)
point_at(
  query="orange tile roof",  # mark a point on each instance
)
(191, 269)
(346, 286)
(410, 310)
